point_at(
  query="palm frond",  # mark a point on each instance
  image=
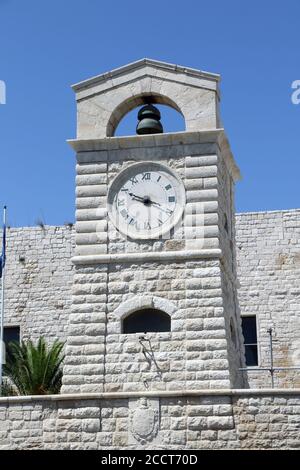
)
(35, 369)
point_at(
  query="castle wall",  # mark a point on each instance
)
(39, 275)
(38, 289)
(268, 255)
(236, 419)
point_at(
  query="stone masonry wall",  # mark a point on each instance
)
(195, 354)
(268, 249)
(39, 275)
(224, 420)
(38, 290)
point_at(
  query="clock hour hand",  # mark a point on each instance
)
(138, 198)
(145, 199)
(147, 202)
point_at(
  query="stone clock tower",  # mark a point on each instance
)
(154, 297)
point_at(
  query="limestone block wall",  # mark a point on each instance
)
(268, 253)
(38, 290)
(112, 270)
(193, 156)
(226, 224)
(194, 354)
(208, 420)
(39, 275)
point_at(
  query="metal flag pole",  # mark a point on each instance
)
(2, 303)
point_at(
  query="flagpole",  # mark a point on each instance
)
(2, 307)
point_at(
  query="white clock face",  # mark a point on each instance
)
(146, 200)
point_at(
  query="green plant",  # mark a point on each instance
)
(7, 390)
(35, 369)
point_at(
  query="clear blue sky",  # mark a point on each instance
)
(48, 45)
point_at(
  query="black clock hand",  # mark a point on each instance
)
(138, 198)
(147, 202)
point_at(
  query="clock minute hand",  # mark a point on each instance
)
(168, 211)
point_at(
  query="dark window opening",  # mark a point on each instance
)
(226, 223)
(147, 320)
(10, 334)
(250, 340)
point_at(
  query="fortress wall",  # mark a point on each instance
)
(39, 278)
(223, 419)
(268, 256)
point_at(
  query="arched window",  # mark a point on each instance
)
(147, 320)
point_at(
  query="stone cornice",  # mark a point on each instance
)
(154, 394)
(205, 136)
(162, 256)
(153, 140)
(141, 64)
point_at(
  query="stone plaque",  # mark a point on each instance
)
(144, 420)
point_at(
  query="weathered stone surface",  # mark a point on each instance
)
(269, 270)
(198, 422)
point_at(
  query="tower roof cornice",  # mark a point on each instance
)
(140, 66)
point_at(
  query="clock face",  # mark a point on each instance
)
(146, 200)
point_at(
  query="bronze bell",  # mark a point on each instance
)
(149, 120)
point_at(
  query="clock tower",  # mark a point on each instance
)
(155, 292)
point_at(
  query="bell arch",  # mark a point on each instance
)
(133, 102)
(104, 100)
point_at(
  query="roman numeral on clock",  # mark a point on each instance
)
(134, 180)
(168, 187)
(124, 213)
(146, 177)
(171, 198)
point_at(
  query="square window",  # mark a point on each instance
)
(10, 333)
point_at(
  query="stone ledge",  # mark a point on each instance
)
(137, 141)
(147, 257)
(153, 394)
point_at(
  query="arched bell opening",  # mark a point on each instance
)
(147, 320)
(128, 115)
